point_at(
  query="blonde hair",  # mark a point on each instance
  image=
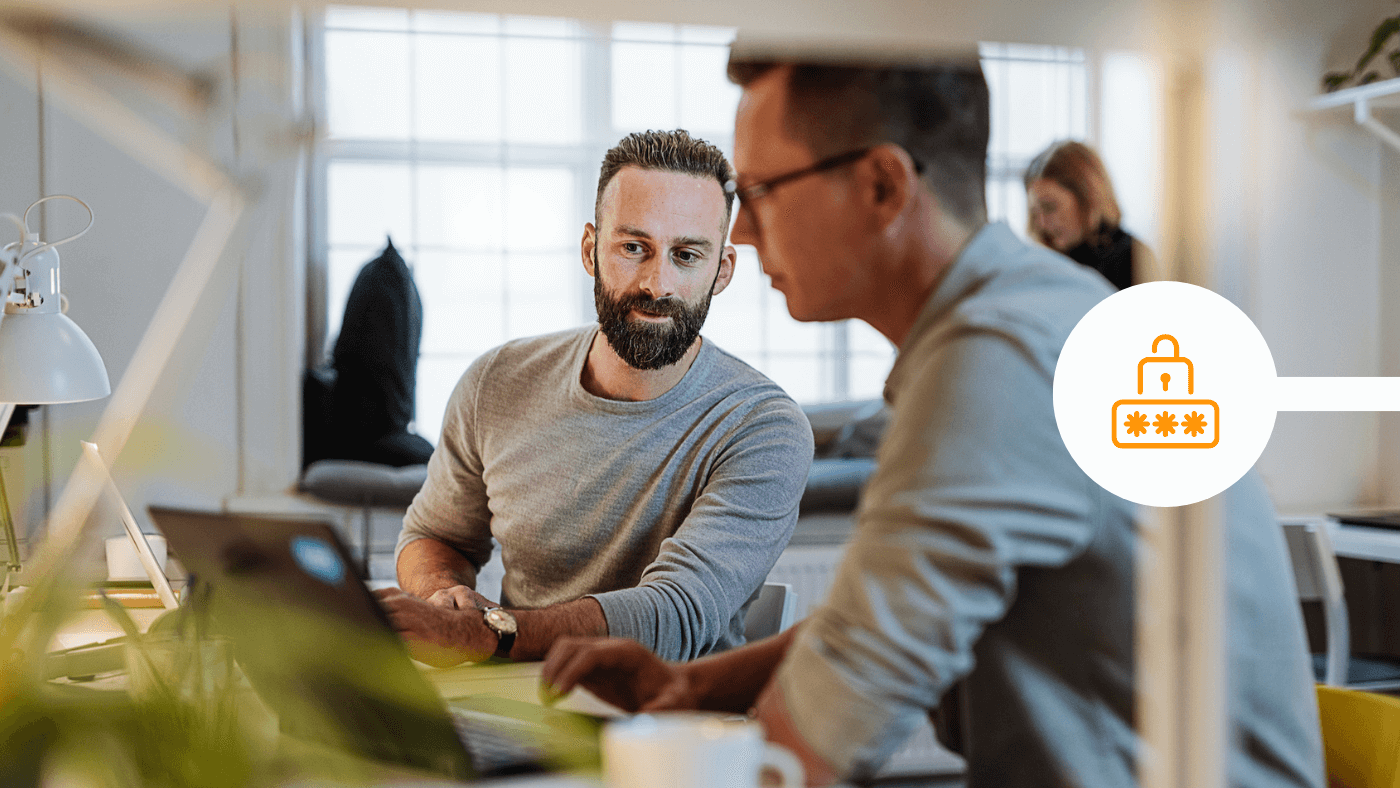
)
(1076, 167)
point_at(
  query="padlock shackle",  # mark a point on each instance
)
(1176, 349)
(1175, 356)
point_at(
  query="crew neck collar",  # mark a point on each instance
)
(699, 370)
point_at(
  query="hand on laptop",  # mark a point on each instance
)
(436, 635)
(460, 598)
(620, 671)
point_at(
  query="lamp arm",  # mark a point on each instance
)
(14, 277)
(24, 223)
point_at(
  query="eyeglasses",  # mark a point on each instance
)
(748, 194)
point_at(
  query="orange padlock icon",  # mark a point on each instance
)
(1174, 361)
(1164, 418)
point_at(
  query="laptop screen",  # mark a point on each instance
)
(310, 637)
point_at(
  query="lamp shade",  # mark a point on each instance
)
(45, 358)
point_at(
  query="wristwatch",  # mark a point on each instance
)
(500, 621)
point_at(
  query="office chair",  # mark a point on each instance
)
(1360, 737)
(1319, 580)
(771, 613)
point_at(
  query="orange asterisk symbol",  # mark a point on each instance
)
(1165, 423)
(1136, 423)
(1193, 424)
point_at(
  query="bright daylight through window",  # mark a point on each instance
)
(474, 140)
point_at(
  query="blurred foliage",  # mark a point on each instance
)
(1362, 74)
(185, 716)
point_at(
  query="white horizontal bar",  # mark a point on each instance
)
(1320, 394)
(1341, 98)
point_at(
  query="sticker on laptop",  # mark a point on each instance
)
(319, 559)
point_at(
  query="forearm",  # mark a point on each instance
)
(537, 630)
(772, 711)
(427, 565)
(732, 681)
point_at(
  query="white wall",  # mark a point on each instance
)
(23, 468)
(223, 416)
(1297, 235)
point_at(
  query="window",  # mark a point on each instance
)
(474, 140)
(1039, 94)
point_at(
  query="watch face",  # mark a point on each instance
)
(500, 621)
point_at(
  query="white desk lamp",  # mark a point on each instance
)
(44, 357)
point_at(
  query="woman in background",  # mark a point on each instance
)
(1073, 211)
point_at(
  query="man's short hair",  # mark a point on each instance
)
(937, 111)
(668, 151)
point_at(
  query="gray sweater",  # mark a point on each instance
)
(668, 512)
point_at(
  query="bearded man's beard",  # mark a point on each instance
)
(641, 344)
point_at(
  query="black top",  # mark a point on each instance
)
(1110, 252)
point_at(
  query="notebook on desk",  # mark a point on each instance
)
(1373, 519)
(318, 649)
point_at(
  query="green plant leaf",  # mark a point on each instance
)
(118, 614)
(1334, 80)
(1382, 33)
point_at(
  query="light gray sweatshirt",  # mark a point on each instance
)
(983, 553)
(669, 512)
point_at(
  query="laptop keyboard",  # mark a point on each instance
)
(498, 744)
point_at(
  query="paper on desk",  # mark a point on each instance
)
(519, 681)
(87, 627)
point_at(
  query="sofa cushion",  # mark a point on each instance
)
(828, 419)
(847, 429)
(860, 435)
(835, 485)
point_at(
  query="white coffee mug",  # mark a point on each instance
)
(123, 563)
(694, 750)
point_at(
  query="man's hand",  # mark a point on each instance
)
(435, 635)
(772, 711)
(460, 598)
(620, 671)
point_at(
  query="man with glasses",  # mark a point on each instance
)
(640, 481)
(982, 554)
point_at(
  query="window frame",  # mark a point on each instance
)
(834, 353)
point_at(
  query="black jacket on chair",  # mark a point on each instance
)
(376, 360)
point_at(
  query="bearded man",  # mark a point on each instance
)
(641, 482)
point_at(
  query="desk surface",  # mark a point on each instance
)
(1356, 541)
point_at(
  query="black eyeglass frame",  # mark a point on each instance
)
(761, 189)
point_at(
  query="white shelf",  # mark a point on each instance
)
(1362, 99)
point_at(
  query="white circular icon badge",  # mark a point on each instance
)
(1164, 394)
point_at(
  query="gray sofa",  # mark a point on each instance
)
(846, 435)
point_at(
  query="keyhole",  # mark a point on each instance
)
(1166, 376)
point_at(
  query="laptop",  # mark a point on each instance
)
(320, 652)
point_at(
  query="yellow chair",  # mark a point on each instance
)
(1360, 738)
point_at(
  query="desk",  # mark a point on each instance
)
(1355, 541)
